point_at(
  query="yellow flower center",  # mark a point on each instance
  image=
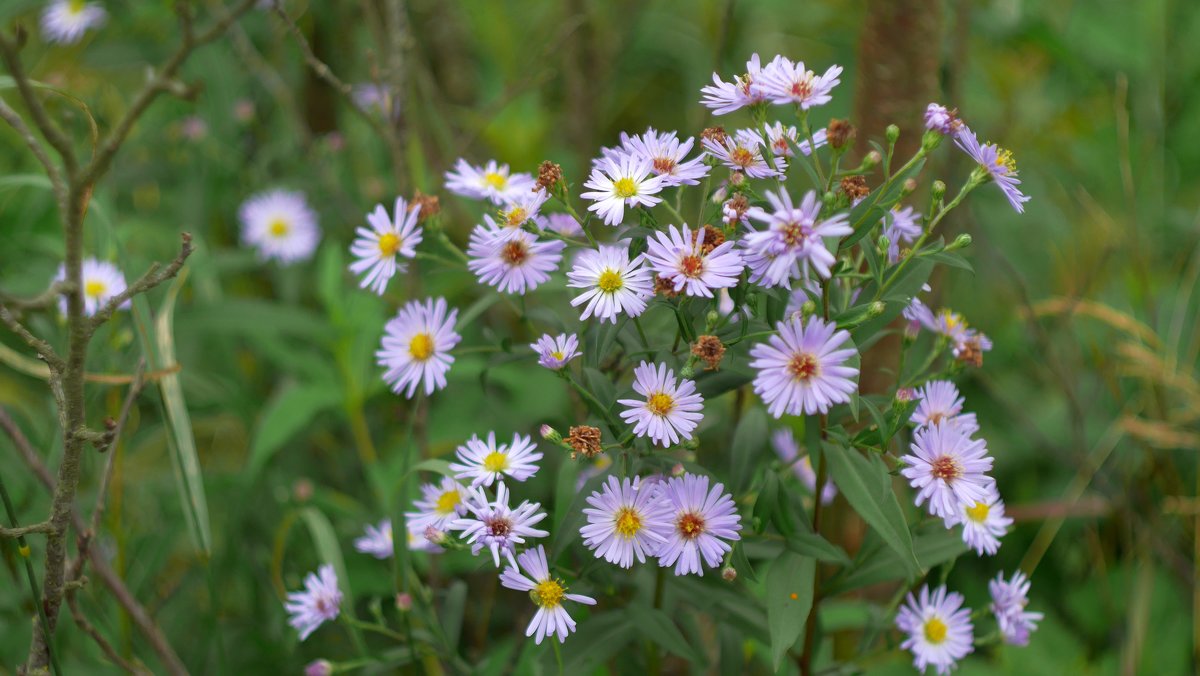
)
(804, 366)
(660, 403)
(1004, 158)
(94, 288)
(690, 525)
(548, 593)
(628, 522)
(421, 346)
(953, 320)
(278, 227)
(76, 6)
(515, 216)
(741, 157)
(447, 502)
(389, 244)
(497, 181)
(625, 188)
(978, 513)
(557, 355)
(610, 281)
(495, 461)
(935, 630)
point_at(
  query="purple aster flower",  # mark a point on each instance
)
(554, 353)
(1008, 605)
(725, 97)
(667, 156)
(376, 248)
(802, 370)
(983, 523)
(794, 240)
(491, 182)
(939, 629)
(624, 182)
(901, 226)
(941, 119)
(941, 403)
(741, 152)
(416, 346)
(997, 162)
(681, 258)
(704, 519)
(669, 411)
(563, 224)
(485, 462)
(320, 601)
(440, 505)
(547, 592)
(785, 81)
(948, 468)
(626, 520)
(495, 525)
(517, 210)
(511, 259)
(614, 283)
(788, 450)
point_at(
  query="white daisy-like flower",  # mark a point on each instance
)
(617, 184)
(555, 352)
(1009, 599)
(983, 523)
(741, 152)
(491, 182)
(785, 81)
(320, 602)
(725, 97)
(614, 283)
(681, 258)
(520, 209)
(101, 282)
(439, 506)
(793, 243)
(495, 525)
(802, 370)
(666, 154)
(948, 468)
(416, 346)
(281, 225)
(940, 403)
(626, 519)
(546, 592)
(939, 629)
(669, 410)
(784, 443)
(65, 21)
(376, 248)
(485, 462)
(511, 259)
(703, 520)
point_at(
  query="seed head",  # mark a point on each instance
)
(584, 440)
(710, 350)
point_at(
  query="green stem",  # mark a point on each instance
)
(23, 549)
(967, 187)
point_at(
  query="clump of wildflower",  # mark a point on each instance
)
(710, 350)
(320, 602)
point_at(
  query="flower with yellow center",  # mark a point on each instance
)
(935, 630)
(278, 228)
(610, 281)
(660, 403)
(420, 347)
(625, 188)
(416, 346)
(547, 593)
(629, 523)
(448, 501)
(625, 520)
(439, 505)
(978, 512)
(94, 288)
(484, 461)
(389, 244)
(620, 183)
(495, 462)
(495, 180)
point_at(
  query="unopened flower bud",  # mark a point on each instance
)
(712, 317)
(737, 179)
(892, 133)
(729, 573)
(930, 140)
(318, 668)
(808, 308)
(404, 602)
(906, 394)
(908, 186)
(872, 159)
(435, 536)
(677, 470)
(937, 191)
(687, 372)
(550, 434)
(876, 308)
(691, 444)
(961, 242)
(302, 490)
(883, 244)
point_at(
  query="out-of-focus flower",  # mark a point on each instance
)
(65, 21)
(439, 506)
(555, 352)
(416, 346)
(491, 182)
(784, 443)
(802, 370)
(321, 601)
(1009, 599)
(280, 225)
(101, 281)
(563, 224)
(941, 119)
(670, 410)
(901, 226)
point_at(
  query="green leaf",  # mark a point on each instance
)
(287, 414)
(866, 484)
(817, 547)
(180, 439)
(658, 627)
(789, 600)
(598, 638)
(766, 502)
(749, 438)
(713, 384)
(433, 465)
(951, 259)
(741, 563)
(453, 609)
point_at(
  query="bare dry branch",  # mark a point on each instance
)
(35, 146)
(43, 527)
(40, 346)
(53, 135)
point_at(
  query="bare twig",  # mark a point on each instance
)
(21, 531)
(43, 300)
(35, 146)
(152, 278)
(90, 629)
(53, 135)
(47, 353)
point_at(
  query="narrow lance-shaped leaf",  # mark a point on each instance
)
(866, 484)
(789, 600)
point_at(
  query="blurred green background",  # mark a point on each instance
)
(1090, 400)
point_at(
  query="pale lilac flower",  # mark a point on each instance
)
(784, 81)
(939, 629)
(918, 314)
(617, 184)
(784, 443)
(485, 462)
(782, 140)
(732, 216)
(626, 520)
(901, 226)
(280, 224)
(511, 259)
(376, 98)
(983, 522)
(318, 668)
(679, 257)
(669, 410)
(666, 154)
(555, 352)
(802, 370)
(193, 128)
(614, 283)
(741, 152)
(794, 240)
(320, 602)
(997, 162)
(491, 182)
(65, 21)
(376, 248)
(563, 224)
(594, 468)
(416, 346)
(101, 281)
(703, 520)
(495, 525)
(948, 468)
(725, 97)
(941, 403)
(439, 506)
(547, 592)
(520, 209)
(1008, 605)
(941, 119)
(377, 541)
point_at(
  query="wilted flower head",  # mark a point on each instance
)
(941, 119)
(584, 440)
